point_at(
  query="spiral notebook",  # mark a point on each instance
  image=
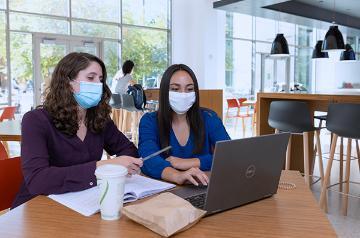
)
(86, 202)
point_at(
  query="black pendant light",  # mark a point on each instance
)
(317, 53)
(279, 47)
(333, 41)
(348, 54)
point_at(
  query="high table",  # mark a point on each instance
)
(10, 130)
(289, 213)
(316, 102)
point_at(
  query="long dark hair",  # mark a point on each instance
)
(165, 112)
(60, 102)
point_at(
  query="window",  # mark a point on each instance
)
(21, 70)
(148, 50)
(106, 10)
(351, 40)
(3, 64)
(50, 7)
(31, 23)
(265, 29)
(239, 26)
(83, 28)
(239, 69)
(152, 13)
(145, 25)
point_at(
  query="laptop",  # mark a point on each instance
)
(243, 171)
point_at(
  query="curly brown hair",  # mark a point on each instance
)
(60, 102)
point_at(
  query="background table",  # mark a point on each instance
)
(289, 213)
(10, 130)
(316, 102)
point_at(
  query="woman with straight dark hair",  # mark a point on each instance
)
(63, 141)
(191, 131)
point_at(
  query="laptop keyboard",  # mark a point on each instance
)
(197, 200)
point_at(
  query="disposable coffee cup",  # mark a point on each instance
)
(111, 181)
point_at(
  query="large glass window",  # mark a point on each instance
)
(50, 7)
(153, 13)
(95, 29)
(3, 64)
(265, 29)
(148, 50)
(240, 68)
(239, 26)
(21, 70)
(242, 58)
(106, 10)
(145, 25)
(32, 23)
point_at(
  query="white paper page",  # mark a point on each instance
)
(84, 202)
(144, 186)
(87, 202)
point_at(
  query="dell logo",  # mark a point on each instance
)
(250, 171)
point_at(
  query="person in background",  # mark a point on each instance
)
(63, 140)
(191, 131)
(124, 80)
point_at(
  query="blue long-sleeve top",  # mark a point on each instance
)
(149, 142)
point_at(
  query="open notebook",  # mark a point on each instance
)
(86, 202)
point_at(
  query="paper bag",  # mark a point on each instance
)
(165, 214)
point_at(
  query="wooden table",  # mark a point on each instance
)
(289, 213)
(316, 102)
(10, 130)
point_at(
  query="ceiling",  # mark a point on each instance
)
(348, 7)
(313, 13)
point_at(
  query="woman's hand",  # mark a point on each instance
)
(132, 164)
(183, 164)
(192, 175)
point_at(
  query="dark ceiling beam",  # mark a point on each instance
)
(317, 13)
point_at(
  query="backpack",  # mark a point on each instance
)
(139, 96)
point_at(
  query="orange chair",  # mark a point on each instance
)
(8, 113)
(3, 152)
(232, 110)
(11, 179)
(246, 114)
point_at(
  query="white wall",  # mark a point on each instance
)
(198, 40)
(331, 73)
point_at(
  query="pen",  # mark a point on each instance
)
(156, 153)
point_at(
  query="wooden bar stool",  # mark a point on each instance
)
(343, 121)
(294, 117)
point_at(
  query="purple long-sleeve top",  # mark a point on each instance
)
(54, 163)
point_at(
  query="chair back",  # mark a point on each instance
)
(128, 102)
(8, 113)
(241, 100)
(3, 152)
(115, 100)
(11, 179)
(232, 103)
(343, 119)
(290, 116)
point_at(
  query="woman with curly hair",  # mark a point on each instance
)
(63, 140)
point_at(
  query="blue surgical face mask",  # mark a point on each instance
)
(89, 94)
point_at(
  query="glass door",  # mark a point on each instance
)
(47, 52)
(275, 74)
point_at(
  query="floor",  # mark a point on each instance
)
(345, 226)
